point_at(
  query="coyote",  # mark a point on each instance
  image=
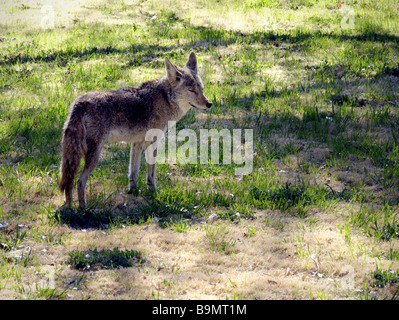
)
(126, 114)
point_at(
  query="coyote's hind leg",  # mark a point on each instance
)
(91, 159)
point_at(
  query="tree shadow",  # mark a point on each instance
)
(216, 36)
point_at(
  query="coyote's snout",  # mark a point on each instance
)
(126, 115)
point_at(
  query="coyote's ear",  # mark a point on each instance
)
(192, 62)
(172, 73)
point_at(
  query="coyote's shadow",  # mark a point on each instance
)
(143, 210)
(89, 218)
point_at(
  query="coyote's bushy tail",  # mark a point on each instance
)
(73, 149)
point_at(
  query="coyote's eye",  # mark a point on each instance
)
(191, 90)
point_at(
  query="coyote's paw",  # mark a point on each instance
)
(151, 188)
(134, 191)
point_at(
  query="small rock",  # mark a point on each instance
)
(3, 246)
(117, 293)
(3, 225)
(213, 217)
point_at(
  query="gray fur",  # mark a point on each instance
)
(126, 114)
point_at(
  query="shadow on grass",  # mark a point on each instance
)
(166, 212)
(197, 35)
(150, 209)
(299, 196)
(88, 218)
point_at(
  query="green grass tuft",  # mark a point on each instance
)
(104, 259)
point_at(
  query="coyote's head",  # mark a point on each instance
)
(187, 85)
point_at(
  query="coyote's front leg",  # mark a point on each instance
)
(151, 156)
(134, 167)
(151, 185)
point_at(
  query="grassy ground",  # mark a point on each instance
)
(316, 218)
